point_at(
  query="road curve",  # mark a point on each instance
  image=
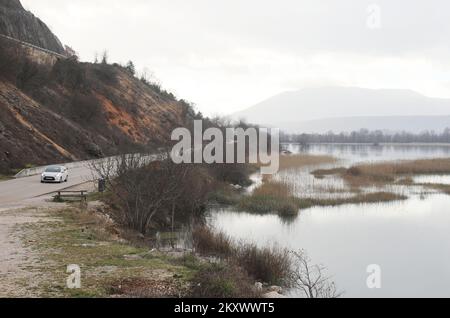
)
(17, 190)
(24, 188)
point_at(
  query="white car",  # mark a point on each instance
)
(55, 174)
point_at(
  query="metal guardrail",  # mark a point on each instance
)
(33, 46)
(82, 164)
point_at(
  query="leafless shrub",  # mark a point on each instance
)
(146, 192)
(310, 279)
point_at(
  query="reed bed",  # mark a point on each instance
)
(387, 172)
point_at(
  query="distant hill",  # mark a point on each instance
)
(348, 108)
(22, 25)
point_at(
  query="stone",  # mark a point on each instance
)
(132, 257)
(276, 289)
(258, 287)
(273, 295)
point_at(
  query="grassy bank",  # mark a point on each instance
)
(114, 267)
(107, 262)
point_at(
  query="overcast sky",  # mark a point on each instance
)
(226, 55)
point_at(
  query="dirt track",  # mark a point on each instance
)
(18, 263)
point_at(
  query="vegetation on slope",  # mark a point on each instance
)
(67, 110)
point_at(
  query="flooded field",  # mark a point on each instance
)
(407, 239)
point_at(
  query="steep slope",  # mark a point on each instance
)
(64, 110)
(312, 110)
(22, 25)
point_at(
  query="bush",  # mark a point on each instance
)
(31, 75)
(271, 265)
(70, 73)
(85, 108)
(152, 195)
(208, 242)
(225, 195)
(106, 73)
(223, 281)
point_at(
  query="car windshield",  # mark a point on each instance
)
(53, 169)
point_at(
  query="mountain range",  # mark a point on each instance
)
(343, 109)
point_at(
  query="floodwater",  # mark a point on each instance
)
(408, 240)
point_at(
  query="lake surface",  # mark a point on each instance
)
(357, 153)
(409, 240)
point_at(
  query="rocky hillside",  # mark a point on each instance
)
(20, 24)
(56, 110)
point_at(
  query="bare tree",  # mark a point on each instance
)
(145, 190)
(310, 279)
(105, 57)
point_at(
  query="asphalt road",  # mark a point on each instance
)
(17, 190)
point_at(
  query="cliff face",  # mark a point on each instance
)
(20, 24)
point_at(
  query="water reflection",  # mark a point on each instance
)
(435, 179)
(409, 240)
(354, 153)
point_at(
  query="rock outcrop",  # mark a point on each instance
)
(20, 24)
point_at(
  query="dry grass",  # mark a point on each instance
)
(320, 173)
(443, 188)
(387, 172)
(357, 199)
(5, 178)
(271, 265)
(91, 240)
(223, 281)
(274, 188)
(275, 196)
(302, 160)
(271, 196)
(212, 243)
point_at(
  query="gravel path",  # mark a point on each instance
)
(18, 274)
